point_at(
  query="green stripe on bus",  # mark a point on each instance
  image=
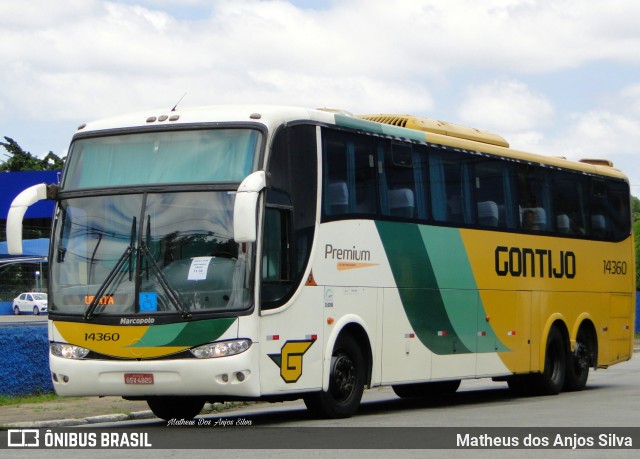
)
(418, 288)
(437, 287)
(184, 334)
(459, 289)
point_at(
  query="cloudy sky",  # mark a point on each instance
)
(558, 77)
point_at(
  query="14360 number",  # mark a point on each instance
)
(614, 267)
(101, 336)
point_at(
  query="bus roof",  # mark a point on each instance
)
(401, 126)
(268, 115)
(468, 138)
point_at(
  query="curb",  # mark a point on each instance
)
(85, 421)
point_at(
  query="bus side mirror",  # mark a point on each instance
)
(17, 210)
(245, 207)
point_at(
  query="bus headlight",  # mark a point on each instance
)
(221, 349)
(68, 351)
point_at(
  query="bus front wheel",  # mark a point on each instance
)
(346, 382)
(175, 407)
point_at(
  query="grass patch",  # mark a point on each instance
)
(6, 400)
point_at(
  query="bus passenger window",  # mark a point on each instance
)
(401, 203)
(534, 219)
(337, 197)
(349, 175)
(534, 198)
(618, 210)
(488, 213)
(400, 181)
(451, 196)
(492, 190)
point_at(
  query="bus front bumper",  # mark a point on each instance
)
(235, 375)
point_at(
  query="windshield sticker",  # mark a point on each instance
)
(199, 268)
(148, 302)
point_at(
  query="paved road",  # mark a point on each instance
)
(28, 319)
(611, 400)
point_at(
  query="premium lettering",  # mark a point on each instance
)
(352, 254)
(528, 262)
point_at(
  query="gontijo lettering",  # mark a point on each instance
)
(527, 262)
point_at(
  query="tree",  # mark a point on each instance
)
(20, 160)
(635, 209)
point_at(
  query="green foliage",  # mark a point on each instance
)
(6, 400)
(636, 235)
(20, 160)
(635, 210)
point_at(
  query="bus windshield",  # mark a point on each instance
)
(148, 253)
(190, 156)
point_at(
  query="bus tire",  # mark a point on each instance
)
(425, 390)
(346, 382)
(551, 380)
(175, 407)
(578, 363)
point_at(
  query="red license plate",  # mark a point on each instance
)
(138, 378)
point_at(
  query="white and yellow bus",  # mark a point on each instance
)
(273, 253)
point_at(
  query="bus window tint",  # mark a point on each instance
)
(450, 194)
(400, 187)
(618, 209)
(349, 175)
(570, 202)
(291, 212)
(533, 198)
(394, 179)
(609, 210)
(365, 178)
(491, 189)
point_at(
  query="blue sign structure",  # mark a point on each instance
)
(12, 183)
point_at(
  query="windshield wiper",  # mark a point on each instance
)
(113, 274)
(173, 296)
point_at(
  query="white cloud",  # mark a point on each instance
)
(475, 61)
(598, 133)
(116, 47)
(507, 106)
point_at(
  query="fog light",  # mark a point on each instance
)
(240, 376)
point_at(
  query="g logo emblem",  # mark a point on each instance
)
(290, 359)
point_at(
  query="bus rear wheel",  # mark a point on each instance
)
(346, 382)
(175, 407)
(578, 363)
(552, 378)
(425, 390)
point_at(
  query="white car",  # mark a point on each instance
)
(30, 302)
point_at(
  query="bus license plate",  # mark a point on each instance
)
(138, 378)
